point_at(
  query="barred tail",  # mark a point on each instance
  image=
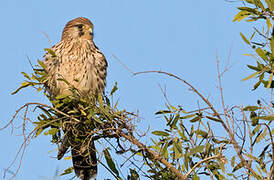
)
(85, 164)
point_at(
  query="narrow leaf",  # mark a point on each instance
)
(241, 15)
(251, 108)
(238, 166)
(244, 38)
(261, 53)
(67, 171)
(114, 89)
(251, 76)
(110, 162)
(160, 133)
(233, 161)
(50, 51)
(195, 150)
(201, 133)
(272, 44)
(197, 118)
(259, 4)
(270, 80)
(214, 119)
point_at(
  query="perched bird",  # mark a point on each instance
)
(82, 65)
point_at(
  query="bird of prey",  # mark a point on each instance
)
(82, 65)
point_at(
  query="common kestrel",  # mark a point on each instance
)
(82, 65)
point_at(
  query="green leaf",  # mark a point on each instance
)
(222, 166)
(270, 4)
(259, 4)
(214, 119)
(233, 161)
(160, 133)
(252, 36)
(268, 118)
(266, 84)
(163, 112)
(110, 162)
(68, 158)
(232, 175)
(250, 1)
(186, 160)
(39, 89)
(23, 85)
(268, 23)
(251, 76)
(238, 166)
(178, 147)
(41, 63)
(254, 118)
(182, 135)
(256, 85)
(201, 133)
(67, 171)
(133, 174)
(253, 68)
(114, 89)
(251, 108)
(248, 9)
(187, 116)
(196, 149)
(173, 123)
(97, 120)
(50, 51)
(261, 136)
(195, 177)
(220, 141)
(164, 150)
(26, 75)
(38, 131)
(269, 81)
(241, 15)
(256, 129)
(261, 53)
(197, 118)
(250, 156)
(52, 131)
(244, 38)
(272, 44)
(61, 96)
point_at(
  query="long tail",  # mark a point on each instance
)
(64, 147)
(84, 163)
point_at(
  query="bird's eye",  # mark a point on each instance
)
(80, 26)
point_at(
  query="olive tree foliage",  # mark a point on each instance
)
(189, 146)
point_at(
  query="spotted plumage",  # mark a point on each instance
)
(83, 66)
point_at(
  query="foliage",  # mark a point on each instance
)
(264, 43)
(190, 145)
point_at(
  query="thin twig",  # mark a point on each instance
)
(47, 38)
(127, 68)
(232, 138)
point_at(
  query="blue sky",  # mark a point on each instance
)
(181, 37)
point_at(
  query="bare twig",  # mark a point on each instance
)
(46, 35)
(127, 68)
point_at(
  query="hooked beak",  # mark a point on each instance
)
(90, 31)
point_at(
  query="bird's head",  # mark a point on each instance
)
(79, 28)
